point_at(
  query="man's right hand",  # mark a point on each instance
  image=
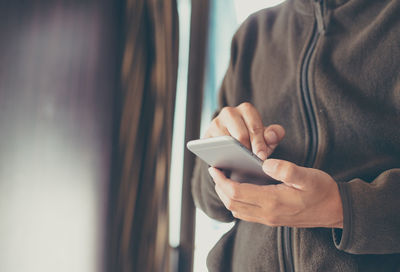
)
(244, 124)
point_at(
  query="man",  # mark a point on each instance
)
(313, 88)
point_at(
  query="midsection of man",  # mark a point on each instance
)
(335, 89)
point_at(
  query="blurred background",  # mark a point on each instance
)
(97, 100)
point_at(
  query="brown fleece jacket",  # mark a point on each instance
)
(329, 72)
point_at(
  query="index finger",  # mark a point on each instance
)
(253, 122)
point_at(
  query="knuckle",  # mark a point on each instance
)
(289, 171)
(285, 170)
(235, 192)
(230, 204)
(227, 111)
(279, 169)
(256, 130)
(246, 106)
(259, 145)
(242, 137)
(215, 122)
(215, 126)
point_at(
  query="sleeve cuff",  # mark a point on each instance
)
(341, 237)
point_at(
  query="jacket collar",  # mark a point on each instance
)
(307, 6)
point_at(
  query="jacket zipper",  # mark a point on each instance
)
(319, 28)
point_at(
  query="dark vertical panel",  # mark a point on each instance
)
(57, 79)
(197, 56)
(138, 230)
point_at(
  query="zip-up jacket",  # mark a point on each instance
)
(329, 73)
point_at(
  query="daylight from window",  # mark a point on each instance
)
(225, 17)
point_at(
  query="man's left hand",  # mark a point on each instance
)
(306, 197)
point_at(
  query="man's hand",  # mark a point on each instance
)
(244, 124)
(306, 198)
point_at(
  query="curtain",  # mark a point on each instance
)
(138, 237)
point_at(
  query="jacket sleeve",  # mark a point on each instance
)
(371, 214)
(233, 91)
(203, 187)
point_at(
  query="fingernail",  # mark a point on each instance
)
(269, 166)
(262, 155)
(271, 137)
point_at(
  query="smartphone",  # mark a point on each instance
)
(228, 154)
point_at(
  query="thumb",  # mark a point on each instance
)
(273, 134)
(289, 173)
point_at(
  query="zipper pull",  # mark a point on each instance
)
(319, 15)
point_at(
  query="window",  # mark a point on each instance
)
(224, 18)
